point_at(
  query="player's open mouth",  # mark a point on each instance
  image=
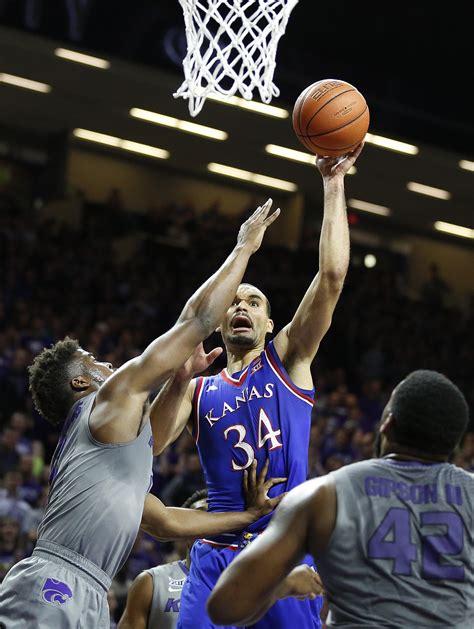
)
(241, 323)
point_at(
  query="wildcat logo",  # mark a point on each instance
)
(56, 592)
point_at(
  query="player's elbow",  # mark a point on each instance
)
(334, 279)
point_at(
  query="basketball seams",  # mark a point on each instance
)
(353, 122)
(327, 103)
(303, 98)
(346, 124)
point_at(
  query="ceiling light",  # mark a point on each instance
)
(79, 57)
(369, 207)
(296, 156)
(176, 123)
(125, 145)
(28, 84)
(263, 180)
(455, 230)
(429, 191)
(464, 163)
(370, 261)
(259, 108)
(391, 145)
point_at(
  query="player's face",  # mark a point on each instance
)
(98, 371)
(246, 322)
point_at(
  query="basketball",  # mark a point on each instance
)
(330, 117)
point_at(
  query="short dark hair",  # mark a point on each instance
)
(267, 301)
(198, 495)
(430, 412)
(49, 380)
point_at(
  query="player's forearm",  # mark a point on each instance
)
(184, 523)
(164, 413)
(212, 299)
(334, 244)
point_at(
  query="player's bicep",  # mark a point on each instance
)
(159, 360)
(302, 336)
(139, 601)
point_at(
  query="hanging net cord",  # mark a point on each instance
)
(232, 47)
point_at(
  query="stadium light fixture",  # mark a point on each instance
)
(455, 230)
(296, 156)
(125, 145)
(421, 188)
(245, 175)
(176, 123)
(27, 84)
(391, 145)
(79, 57)
(365, 206)
(250, 105)
(466, 165)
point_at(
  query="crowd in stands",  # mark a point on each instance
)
(119, 280)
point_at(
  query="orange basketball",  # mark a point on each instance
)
(330, 117)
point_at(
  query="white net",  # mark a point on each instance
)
(232, 46)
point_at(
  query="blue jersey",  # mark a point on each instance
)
(256, 413)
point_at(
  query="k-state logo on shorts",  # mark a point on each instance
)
(56, 592)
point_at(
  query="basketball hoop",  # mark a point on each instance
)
(232, 47)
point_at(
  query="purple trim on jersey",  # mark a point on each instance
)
(183, 567)
(196, 396)
(73, 415)
(275, 362)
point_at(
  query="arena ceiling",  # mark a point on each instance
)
(411, 62)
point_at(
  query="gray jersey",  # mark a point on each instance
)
(97, 491)
(402, 551)
(168, 581)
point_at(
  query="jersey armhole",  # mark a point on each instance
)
(278, 368)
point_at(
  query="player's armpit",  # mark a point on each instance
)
(139, 599)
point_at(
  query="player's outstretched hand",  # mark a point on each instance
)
(256, 490)
(198, 362)
(338, 166)
(302, 582)
(252, 231)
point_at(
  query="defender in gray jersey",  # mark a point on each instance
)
(101, 470)
(154, 597)
(392, 536)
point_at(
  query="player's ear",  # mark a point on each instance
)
(80, 383)
(270, 326)
(218, 329)
(387, 423)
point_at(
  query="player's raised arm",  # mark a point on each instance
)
(260, 574)
(131, 384)
(300, 339)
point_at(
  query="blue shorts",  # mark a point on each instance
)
(207, 564)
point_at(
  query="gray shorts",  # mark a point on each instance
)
(48, 592)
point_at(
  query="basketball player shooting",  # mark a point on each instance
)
(392, 536)
(258, 407)
(101, 471)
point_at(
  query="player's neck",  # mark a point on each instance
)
(405, 454)
(238, 360)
